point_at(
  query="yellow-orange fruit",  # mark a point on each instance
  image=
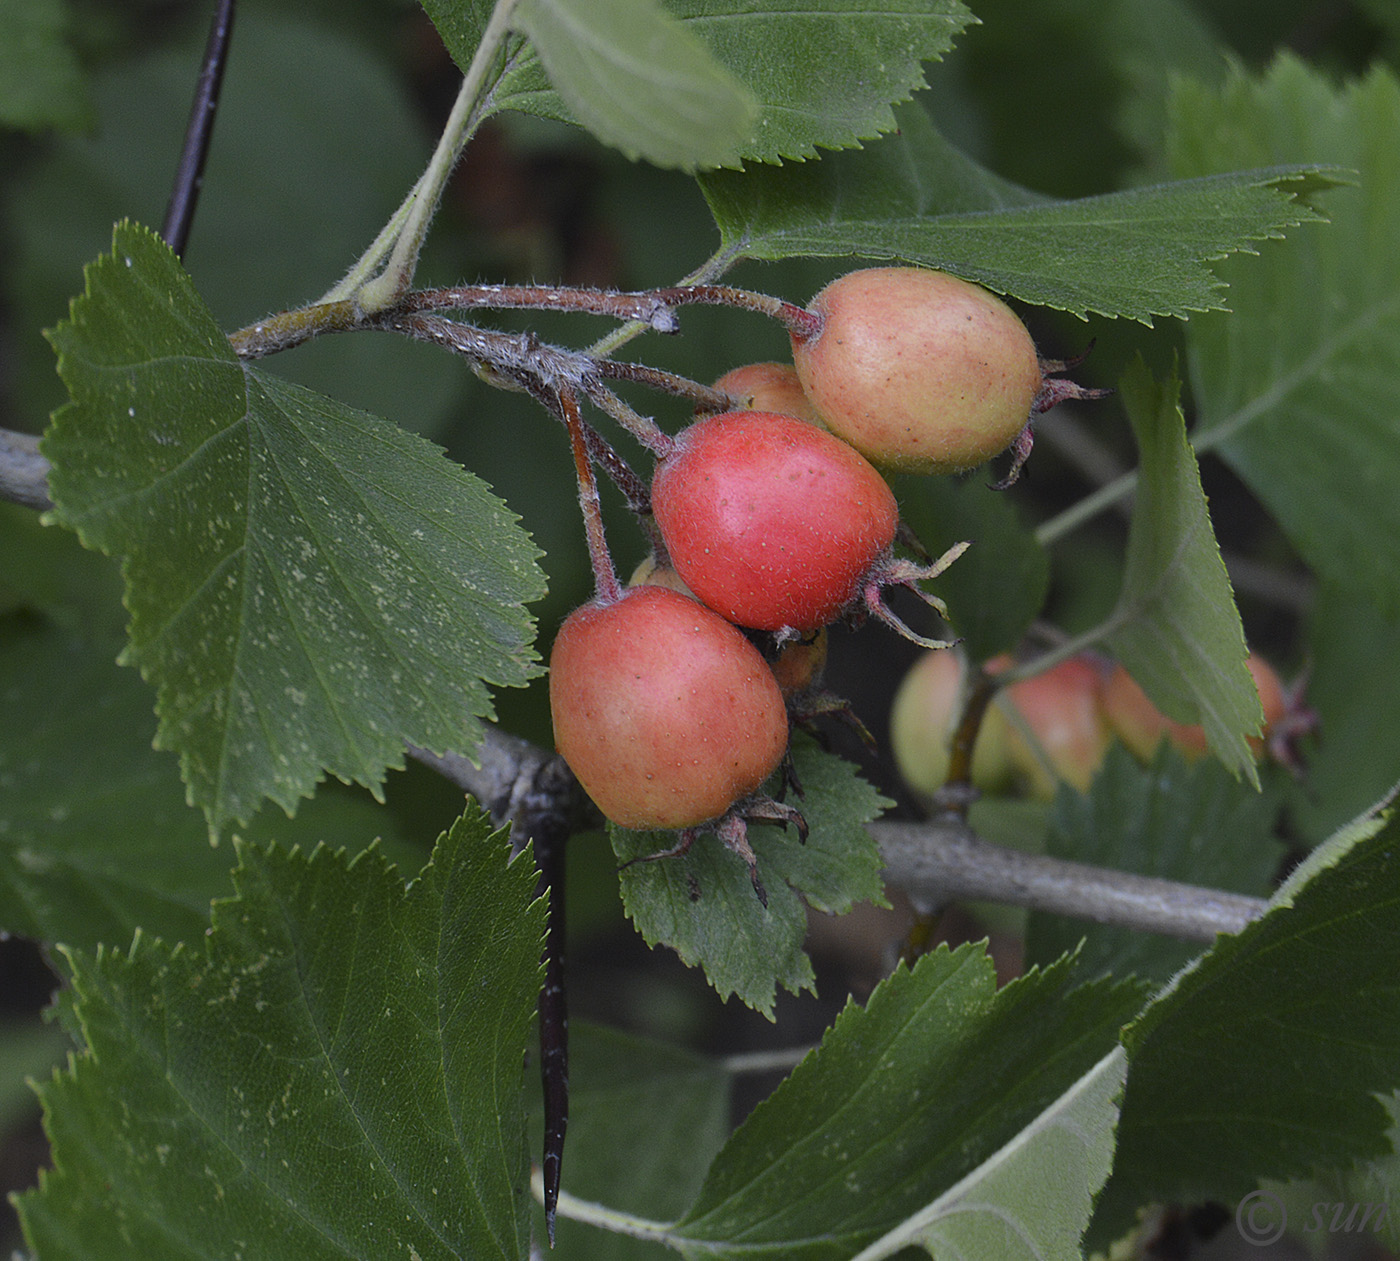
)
(1140, 725)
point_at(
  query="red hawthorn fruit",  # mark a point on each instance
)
(771, 521)
(667, 715)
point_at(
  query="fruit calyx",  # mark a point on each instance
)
(732, 830)
(894, 571)
(1054, 390)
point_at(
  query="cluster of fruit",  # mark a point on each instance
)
(773, 517)
(1057, 726)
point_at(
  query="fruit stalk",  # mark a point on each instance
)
(604, 574)
(957, 793)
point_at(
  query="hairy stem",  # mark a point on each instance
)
(707, 273)
(577, 1210)
(667, 382)
(797, 320)
(604, 574)
(643, 307)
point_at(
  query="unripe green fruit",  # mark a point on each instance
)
(918, 370)
(929, 701)
(663, 710)
(770, 387)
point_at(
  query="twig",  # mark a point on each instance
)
(23, 471)
(799, 321)
(946, 862)
(189, 175)
(604, 574)
(643, 307)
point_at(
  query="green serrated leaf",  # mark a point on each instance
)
(1134, 254)
(640, 81)
(340, 588)
(703, 905)
(41, 82)
(1176, 627)
(338, 1073)
(1295, 387)
(1196, 823)
(1033, 1198)
(1263, 1058)
(903, 1099)
(96, 839)
(999, 584)
(824, 74)
(1371, 1185)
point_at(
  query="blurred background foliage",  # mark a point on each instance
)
(330, 111)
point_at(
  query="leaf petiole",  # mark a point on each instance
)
(620, 1223)
(402, 237)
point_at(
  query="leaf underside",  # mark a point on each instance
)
(1176, 627)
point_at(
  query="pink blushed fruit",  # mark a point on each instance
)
(920, 371)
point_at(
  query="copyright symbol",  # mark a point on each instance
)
(1261, 1218)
